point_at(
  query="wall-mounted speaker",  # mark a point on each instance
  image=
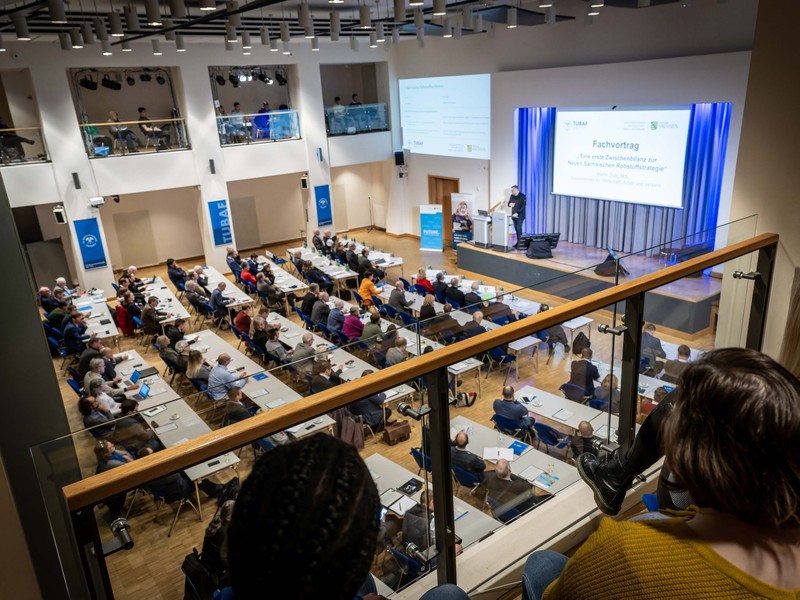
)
(76, 180)
(399, 158)
(304, 182)
(60, 214)
(212, 166)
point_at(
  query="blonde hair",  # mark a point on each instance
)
(428, 300)
(609, 382)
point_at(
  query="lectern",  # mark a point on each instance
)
(481, 230)
(501, 221)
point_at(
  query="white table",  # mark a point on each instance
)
(546, 404)
(167, 301)
(212, 345)
(481, 437)
(232, 291)
(284, 280)
(97, 310)
(576, 324)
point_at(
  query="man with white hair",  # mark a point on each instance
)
(220, 380)
(198, 274)
(46, 299)
(472, 296)
(508, 493)
(130, 274)
(316, 240)
(329, 242)
(219, 302)
(194, 295)
(397, 299)
(69, 293)
(321, 310)
(303, 355)
(474, 327)
(336, 316)
(455, 295)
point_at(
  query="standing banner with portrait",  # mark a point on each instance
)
(461, 205)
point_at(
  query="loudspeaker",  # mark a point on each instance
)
(538, 249)
(76, 180)
(399, 159)
(211, 166)
(608, 268)
(60, 214)
(304, 182)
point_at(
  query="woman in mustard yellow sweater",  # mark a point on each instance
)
(731, 441)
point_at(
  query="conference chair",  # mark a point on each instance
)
(499, 358)
(237, 333)
(573, 392)
(379, 358)
(464, 478)
(59, 351)
(358, 297)
(423, 462)
(406, 284)
(420, 289)
(390, 312)
(160, 498)
(76, 387)
(598, 404)
(409, 568)
(513, 427)
(408, 321)
(550, 437)
(440, 297)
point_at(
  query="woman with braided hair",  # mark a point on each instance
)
(305, 525)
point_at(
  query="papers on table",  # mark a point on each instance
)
(459, 366)
(257, 393)
(397, 502)
(531, 473)
(495, 454)
(545, 480)
(275, 403)
(166, 428)
(390, 394)
(563, 414)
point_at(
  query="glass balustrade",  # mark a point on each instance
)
(22, 145)
(353, 119)
(250, 128)
(120, 138)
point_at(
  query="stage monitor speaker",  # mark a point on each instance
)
(538, 249)
(608, 268)
(399, 159)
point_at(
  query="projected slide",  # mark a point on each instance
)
(447, 116)
(626, 155)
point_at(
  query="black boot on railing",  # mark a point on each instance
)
(609, 479)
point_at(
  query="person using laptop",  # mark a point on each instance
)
(220, 380)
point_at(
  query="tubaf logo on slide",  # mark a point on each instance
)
(323, 202)
(653, 125)
(89, 240)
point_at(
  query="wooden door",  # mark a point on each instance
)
(439, 191)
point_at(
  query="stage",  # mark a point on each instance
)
(684, 306)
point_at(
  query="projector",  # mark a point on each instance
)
(97, 201)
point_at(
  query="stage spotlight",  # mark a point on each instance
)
(130, 80)
(111, 84)
(161, 79)
(88, 83)
(234, 80)
(265, 78)
(220, 79)
(250, 76)
(145, 77)
(280, 77)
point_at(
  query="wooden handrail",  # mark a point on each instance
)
(137, 122)
(21, 129)
(96, 488)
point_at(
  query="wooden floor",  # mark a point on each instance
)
(152, 568)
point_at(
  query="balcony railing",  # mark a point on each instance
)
(22, 145)
(359, 118)
(120, 138)
(252, 128)
(464, 514)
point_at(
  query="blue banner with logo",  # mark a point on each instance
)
(90, 243)
(220, 222)
(430, 227)
(324, 210)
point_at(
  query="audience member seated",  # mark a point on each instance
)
(235, 411)
(175, 273)
(418, 526)
(336, 316)
(740, 540)
(252, 264)
(74, 333)
(472, 297)
(674, 368)
(325, 377)
(109, 456)
(129, 302)
(195, 296)
(584, 441)
(320, 545)
(158, 133)
(303, 355)
(474, 327)
(352, 257)
(397, 299)
(176, 331)
(328, 242)
(234, 262)
(316, 241)
(422, 279)
(372, 332)
(220, 380)
(214, 555)
(389, 338)
(440, 285)
(267, 288)
(427, 311)
(609, 392)
(371, 408)
(259, 333)
(74, 292)
(46, 299)
(311, 297)
(340, 253)
(552, 335)
(652, 349)
(465, 459)
(321, 310)
(453, 294)
(508, 407)
(97, 417)
(367, 289)
(96, 370)
(275, 347)
(243, 320)
(197, 368)
(352, 327)
(198, 275)
(92, 351)
(56, 317)
(219, 302)
(399, 353)
(132, 432)
(583, 372)
(248, 277)
(166, 351)
(123, 133)
(172, 486)
(507, 492)
(314, 275)
(100, 391)
(297, 261)
(152, 317)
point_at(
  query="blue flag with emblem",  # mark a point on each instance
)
(324, 212)
(91, 244)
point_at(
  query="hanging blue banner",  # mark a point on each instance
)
(91, 244)
(324, 211)
(220, 222)
(430, 227)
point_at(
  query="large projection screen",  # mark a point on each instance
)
(447, 116)
(633, 155)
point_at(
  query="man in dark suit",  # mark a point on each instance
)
(316, 240)
(472, 296)
(475, 326)
(674, 368)
(326, 377)
(371, 407)
(310, 299)
(321, 310)
(175, 272)
(651, 348)
(219, 302)
(235, 411)
(584, 373)
(176, 331)
(352, 257)
(454, 294)
(439, 286)
(508, 407)
(517, 203)
(465, 459)
(507, 491)
(397, 299)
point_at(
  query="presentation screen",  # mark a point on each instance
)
(447, 116)
(628, 155)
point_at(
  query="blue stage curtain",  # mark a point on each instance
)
(623, 226)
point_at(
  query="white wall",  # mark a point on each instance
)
(279, 205)
(52, 230)
(356, 149)
(348, 79)
(357, 187)
(173, 217)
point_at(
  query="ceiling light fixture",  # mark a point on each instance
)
(380, 33)
(335, 25)
(236, 19)
(131, 18)
(303, 15)
(364, 17)
(233, 79)
(115, 23)
(126, 46)
(100, 29)
(309, 32)
(467, 19)
(285, 32)
(419, 20)
(315, 44)
(208, 5)
(477, 24)
(63, 39)
(399, 11)
(152, 13)
(105, 46)
(597, 3)
(273, 45)
(246, 43)
(592, 11)
(511, 18)
(545, 3)
(415, 2)
(21, 27)
(447, 28)
(156, 47)
(169, 35)
(264, 35)
(145, 77)
(219, 79)
(353, 43)
(87, 34)
(439, 8)
(58, 13)
(396, 35)
(286, 50)
(373, 40)
(230, 33)
(177, 9)
(335, 1)
(161, 79)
